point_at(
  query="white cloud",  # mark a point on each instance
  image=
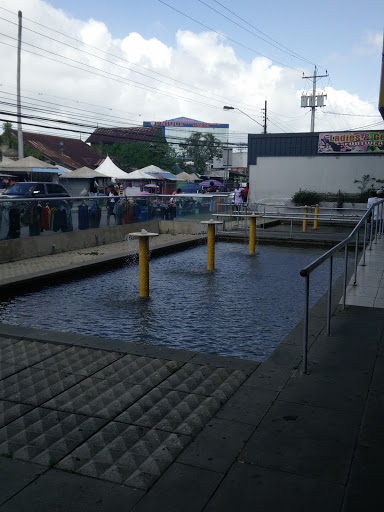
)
(204, 62)
(371, 42)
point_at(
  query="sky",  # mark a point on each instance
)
(127, 62)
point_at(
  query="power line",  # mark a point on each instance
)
(280, 47)
(125, 81)
(229, 38)
(122, 59)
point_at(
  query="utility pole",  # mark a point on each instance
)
(265, 117)
(19, 130)
(310, 101)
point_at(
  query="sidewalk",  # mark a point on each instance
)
(94, 424)
(42, 267)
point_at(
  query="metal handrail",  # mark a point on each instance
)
(378, 207)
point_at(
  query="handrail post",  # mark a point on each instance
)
(365, 242)
(356, 255)
(376, 210)
(345, 274)
(329, 305)
(371, 232)
(305, 332)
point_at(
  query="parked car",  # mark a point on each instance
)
(30, 189)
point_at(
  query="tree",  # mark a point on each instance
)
(135, 155)
(201, 147)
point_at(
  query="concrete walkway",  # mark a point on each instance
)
(96, 424)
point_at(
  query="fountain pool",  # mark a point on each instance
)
(244, 308)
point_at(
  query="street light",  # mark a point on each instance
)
(226, 107)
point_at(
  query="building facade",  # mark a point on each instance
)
(179, 129)
(281, 164)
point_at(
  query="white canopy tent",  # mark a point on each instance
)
(184, 176)
(109, 170)
(157, 173)
(139, 175)
(85, 172)
(29, 164)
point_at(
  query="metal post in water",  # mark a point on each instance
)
(305, 218)
(143, 267)
(143, 237)
(211, 242)
(305, 333)
(252, 233)
(329, 305)
(315, 222)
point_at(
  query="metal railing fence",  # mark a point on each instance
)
(375, 215)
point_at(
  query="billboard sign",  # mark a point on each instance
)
(178, 124)
(351, 142)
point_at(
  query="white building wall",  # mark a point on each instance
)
(276, 179)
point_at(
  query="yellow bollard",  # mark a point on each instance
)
(252, 235)
(315, 222)
(211, 242)
(143, 267)
(305, 218)
(143, 237)
(211, 247)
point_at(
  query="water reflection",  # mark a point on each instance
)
(243, 308)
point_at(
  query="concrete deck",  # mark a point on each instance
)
(95, 424)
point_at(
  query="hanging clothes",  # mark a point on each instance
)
(119, 209)
(68, 214)
(60, 220)
(94, 214)
(83, 217)
(45, 214)
(14, 222)
(4, 223)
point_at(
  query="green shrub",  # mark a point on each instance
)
(306, 198)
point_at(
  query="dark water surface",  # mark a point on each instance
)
(244, 308)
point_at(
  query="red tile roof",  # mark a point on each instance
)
(112, 135)
(74, 153)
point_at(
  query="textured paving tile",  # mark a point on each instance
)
(138, 368)
(4, 342)
(101, 398)
(34, 386)
(44, 436)
(83, 361)
(205, 380)
(9, 411)
(28, 352)
(129, 455)
(172, 411)
(6, 370)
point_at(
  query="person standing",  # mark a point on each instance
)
(111, 208)
(245, 193)
(238, 197)
(212, 187)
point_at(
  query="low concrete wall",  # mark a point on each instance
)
(31, 247)
(22, 248)
(181, 227)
